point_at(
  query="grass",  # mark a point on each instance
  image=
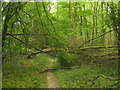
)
(80, 78)
(25, 73)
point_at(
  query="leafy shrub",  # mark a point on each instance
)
(67, 59)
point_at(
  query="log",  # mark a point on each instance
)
(47, 50)
(65, 68)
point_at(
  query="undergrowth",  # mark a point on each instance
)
(25, 73)
(82, 77)
(88, 71)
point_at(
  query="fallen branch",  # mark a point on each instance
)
(106, 77)
(110, 54)
(98, 47)
(54, 69)
(47, 50)
(19, 34)
(94, 38)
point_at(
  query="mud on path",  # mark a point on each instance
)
(52, 81)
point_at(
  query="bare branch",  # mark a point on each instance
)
(94, 38)
(23, 42)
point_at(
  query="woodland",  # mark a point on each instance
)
(60, 44)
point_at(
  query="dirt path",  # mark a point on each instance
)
(52, 81)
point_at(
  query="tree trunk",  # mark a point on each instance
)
(102, 16)
(4, 32)
(75, 15)
(93, 31)
(69, 14)
(81, 25)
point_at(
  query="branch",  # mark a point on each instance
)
(44, 50)
(19, 34)
(6, 7)
(106, 77)
(39, 16)
(22, 41)
(95, 38)
(110, 54)
(98, 47)
(48, 17)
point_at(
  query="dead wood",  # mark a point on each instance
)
(106, 77)
(65, 68)
(99, 47)
(47, 50)
(42, 51)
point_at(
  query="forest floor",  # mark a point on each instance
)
(52, 80)
(25, 73)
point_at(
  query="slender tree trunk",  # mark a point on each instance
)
(75, 15)
(9, 48)
(96, 26)
(5, 25)
(69, 14)
(119, 31)
(93, 31)
(81, 21)
(4, 33)
(102, 16)
(85, 21)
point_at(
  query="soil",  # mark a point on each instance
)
(52, 80)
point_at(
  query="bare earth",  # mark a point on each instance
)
(52, 81)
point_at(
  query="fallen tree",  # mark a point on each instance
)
(94, 47)
(47, 50)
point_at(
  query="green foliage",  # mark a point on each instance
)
(25, 73)
(64, 26)
(43, 59)
(80, 78)
(52, 23)
(19, 76)
(67, 59)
